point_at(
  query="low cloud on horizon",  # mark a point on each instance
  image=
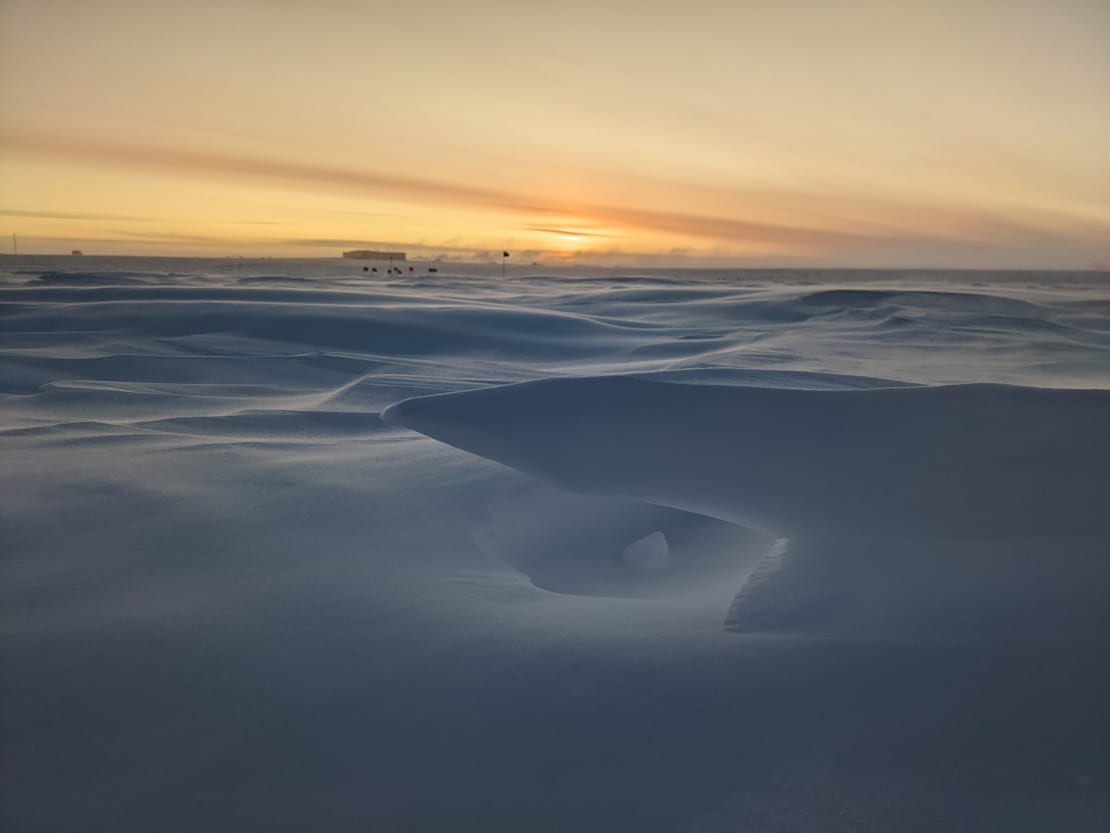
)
(948, 233)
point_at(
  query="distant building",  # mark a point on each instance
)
(77, 252)
(367, 254)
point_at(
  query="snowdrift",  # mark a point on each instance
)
(947, 461)
(906, 513)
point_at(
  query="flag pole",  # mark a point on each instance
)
(504, 255)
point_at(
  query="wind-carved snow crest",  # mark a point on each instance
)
(924, 511)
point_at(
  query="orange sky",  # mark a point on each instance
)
(969, 133)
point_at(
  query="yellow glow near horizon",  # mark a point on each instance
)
(858, 133)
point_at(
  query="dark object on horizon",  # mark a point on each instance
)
(432, 269)
(369, 254)
(76, 253)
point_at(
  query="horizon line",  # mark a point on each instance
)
(1096, 268)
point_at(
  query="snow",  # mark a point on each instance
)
(922, 460)
(650, 552)
(672, 551)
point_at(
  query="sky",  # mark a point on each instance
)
(747, 132)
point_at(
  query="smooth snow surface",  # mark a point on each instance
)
(683, 552)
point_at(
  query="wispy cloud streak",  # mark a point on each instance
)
(71, 215)
(968, 227)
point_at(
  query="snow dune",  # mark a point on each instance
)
(919, 461)
(891, 498)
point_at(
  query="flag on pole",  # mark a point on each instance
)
(504, 254)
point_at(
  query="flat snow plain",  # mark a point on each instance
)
(691, 552)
